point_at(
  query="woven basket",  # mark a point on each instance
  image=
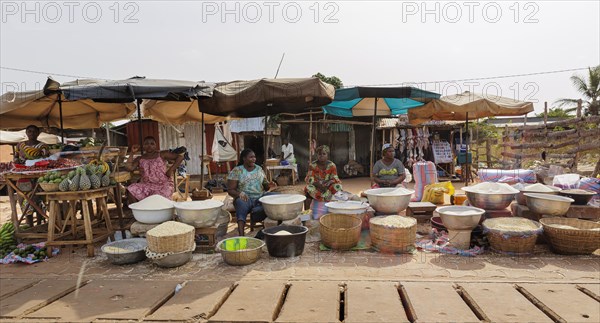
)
(288, 189)
(181, 240)
(272, 162)
(121, 177)
(49, 187)
(586, 240)
(512, 242)
(393, 239)
(340, 231)
(201, 195)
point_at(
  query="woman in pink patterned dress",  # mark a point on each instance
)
(156, 178)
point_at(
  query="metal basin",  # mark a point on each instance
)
(521, 195)
(581, 197)
(199, 214)
(347, 207)
(174, 260)
(283, 207)
(552, 205)
(460, 217)
(151, 216)
(127, 251)
(389, 200)
(488, 201)
(240, 251)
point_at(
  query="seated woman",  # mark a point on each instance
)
(247, 183)
(156, 178)
(322, 181)
(388, 171)
(32, 148)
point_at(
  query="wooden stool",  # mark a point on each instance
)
(57, 225)
(422, 211)
(206, 245)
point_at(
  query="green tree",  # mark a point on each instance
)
(557, 112)
(333, 80)
(590, 90)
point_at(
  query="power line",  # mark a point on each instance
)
(47, 73)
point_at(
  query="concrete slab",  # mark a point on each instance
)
(108, 299)
(566, 301)
(372, 302)
(311, 302)
(44, 292)
(438, 302)
(11, 286)
(251, 302)
(503, 303)
(196, 299)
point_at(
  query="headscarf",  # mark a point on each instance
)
(323, 148)
(385, 146)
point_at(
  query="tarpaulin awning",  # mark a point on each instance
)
(15, 137)
(177, 112)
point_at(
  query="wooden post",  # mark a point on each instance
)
(578, 127)
(310, 139)
(488, 153)
(505, 141)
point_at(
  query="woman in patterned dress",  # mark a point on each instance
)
(32, 148)
(322, 181)
(156, 178)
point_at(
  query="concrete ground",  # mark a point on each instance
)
(318, 286)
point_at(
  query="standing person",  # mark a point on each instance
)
(247, 183)
(156, 178)
(287, 151)
(31, 148)
(388, 171)
(322, 181)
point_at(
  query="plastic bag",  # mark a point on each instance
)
(434, 193)
(566, 181)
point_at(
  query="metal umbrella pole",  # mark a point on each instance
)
(373, 139)
(62, 129)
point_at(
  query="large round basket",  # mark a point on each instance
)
(393, 233)
(49, 187)
(170, 236)
(572, 236)
(340, 231)
(512, 235)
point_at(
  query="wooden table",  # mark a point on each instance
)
(64, 224)
(35, 231)
(293, 168)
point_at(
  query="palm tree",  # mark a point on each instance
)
(589, 89)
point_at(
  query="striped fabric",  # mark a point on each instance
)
(495, 175)
(424, 173)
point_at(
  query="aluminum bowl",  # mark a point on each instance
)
(391, 200)
(347, 207)
(521, 195)
(460, 217)
(127, 251)
(283, 207)
(487, 201)
(174, 260)
(199, 214)
(551, 205)
(240, 251)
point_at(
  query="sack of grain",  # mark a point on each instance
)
(170, 236)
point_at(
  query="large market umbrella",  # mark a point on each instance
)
(179, 112)
(377, 101)
(48, 108)
(264, 97)
(468, 106)
(257, 98)
(15, 137)
(137, 88)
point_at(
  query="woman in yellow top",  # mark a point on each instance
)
(32, 148)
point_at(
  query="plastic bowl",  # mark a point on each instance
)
(283, 207)
(551, 205)
(199, 214)
(143, 215)
(347, 207)
(127, 251)
(391, 200)
(460, 217)
(580, 197)
(290, 245)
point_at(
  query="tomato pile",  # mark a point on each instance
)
(60, 163)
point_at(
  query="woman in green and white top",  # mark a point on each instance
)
(247, 183)
(388, 171)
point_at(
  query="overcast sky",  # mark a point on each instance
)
(361, 42)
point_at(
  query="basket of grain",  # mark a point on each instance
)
(121, 176)
(393, 233)
(572, 236)
(170, 236)
(512, 234)
(340, 231)
(49, 187)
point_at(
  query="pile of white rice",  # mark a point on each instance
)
(170, 228)
(153, 202)
(394, 221)
(491, 188)
(511, 224)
